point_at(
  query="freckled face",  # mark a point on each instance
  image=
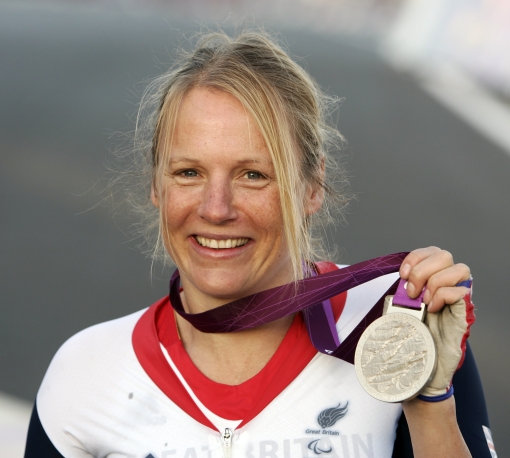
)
(220, 203)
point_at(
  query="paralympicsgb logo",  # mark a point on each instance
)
(328, 417)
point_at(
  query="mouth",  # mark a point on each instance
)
(221, 244)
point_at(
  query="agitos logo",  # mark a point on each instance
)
(314, 446)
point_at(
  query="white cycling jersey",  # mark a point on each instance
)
(126, 388)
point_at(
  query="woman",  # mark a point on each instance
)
(237, 169)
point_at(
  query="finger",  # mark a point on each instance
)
(415, 257)
(446, 295)
(421, 272)
(450, 276)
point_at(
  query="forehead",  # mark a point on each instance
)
(215, 121)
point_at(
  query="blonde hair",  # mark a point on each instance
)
(288, 107)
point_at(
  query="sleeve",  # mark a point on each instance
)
(39, 444)
(471, 414)
(471, 409)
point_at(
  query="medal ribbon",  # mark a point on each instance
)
(310, 295)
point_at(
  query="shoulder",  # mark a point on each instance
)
(94, 344)
(86, 364)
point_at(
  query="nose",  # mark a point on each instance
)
(217, 201)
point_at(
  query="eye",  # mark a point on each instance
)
(252, 175)
(190, 173)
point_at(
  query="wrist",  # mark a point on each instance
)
(434, 429)
(429, 412)
(437, 396)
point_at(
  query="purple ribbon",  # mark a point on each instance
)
(401, 298)
(311, 295)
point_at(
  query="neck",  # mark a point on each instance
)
(234, 357)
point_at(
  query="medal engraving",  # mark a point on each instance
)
(395, 357)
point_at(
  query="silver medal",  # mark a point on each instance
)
(396, 356)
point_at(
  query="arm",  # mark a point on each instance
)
(470, 409)
(434, 429)
(433, 425)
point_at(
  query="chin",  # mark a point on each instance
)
(231, 282)
(225, 289)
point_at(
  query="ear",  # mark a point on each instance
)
(315, 192)
(315, 198)
(154, 196)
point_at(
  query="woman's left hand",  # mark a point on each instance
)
(433, 425)
(434, 268)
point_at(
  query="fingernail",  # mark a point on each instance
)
(410, 289)
(426, 296)
(406, 268)
(430, 305)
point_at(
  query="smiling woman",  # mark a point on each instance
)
(218, 187)
(280, 111)
(235, 160)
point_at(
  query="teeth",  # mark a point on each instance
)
(221, 244)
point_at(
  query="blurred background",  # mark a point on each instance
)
(426, 114)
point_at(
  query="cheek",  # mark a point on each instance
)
(273, 217)
(176, 209)
(177, 203)
(175, 214)
(264, 210)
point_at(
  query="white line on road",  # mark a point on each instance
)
(14, 418)
(471, 102)
(461, 94)
(411, 45)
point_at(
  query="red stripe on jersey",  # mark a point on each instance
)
(146, 346)
(244, 401)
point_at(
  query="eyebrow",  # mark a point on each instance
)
(178, 159)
